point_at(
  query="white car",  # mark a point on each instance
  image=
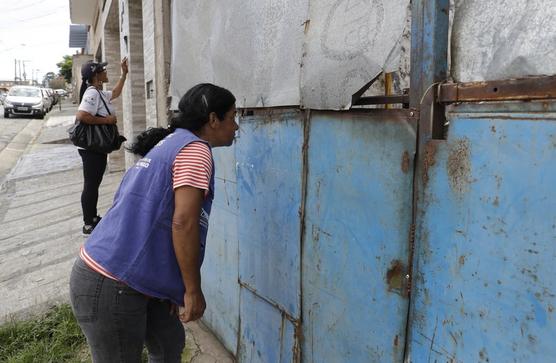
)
(25, 100)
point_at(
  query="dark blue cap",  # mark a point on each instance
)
(89, 69)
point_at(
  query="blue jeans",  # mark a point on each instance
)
(117, 320)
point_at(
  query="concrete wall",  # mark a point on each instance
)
(156, 49)
(131, 46)
(111, 52)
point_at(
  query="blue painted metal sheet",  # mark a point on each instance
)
(486, 241)
(355, 251)
(220, 268)
(269, 189)
(266, 335)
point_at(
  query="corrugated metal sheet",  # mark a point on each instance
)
(503, 39)
(485, 257)
(355, 252)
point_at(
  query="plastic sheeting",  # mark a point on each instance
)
(503, 39)
(251, 47)
(348, 43)
(269, 53)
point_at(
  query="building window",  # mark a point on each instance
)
(150, 89)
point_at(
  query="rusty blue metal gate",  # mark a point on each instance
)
(356, 241)
(323, 226)
(486, 238)
(269, 173)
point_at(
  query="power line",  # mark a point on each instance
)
(23, 7)
(17, 21)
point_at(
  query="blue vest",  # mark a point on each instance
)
(134, 240)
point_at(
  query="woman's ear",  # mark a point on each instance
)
(213, 120)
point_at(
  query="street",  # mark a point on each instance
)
(40, 220)
(40, 213)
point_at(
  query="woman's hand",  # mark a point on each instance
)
(111, 119)
(124, 66)
(194, 308)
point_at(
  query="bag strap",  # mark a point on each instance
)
(104, 102)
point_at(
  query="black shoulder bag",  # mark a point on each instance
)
(100, 138)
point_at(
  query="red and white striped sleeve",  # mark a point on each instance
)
(193, 166)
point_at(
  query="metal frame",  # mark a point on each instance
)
(522, 89)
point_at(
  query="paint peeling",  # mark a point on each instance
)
(459, 166)
(405, 162)
(396, 278)
(429, 160)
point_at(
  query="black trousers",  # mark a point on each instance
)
(94, 165)
(118, 320)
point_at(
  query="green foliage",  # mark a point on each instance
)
(65, 67)
(54, 337)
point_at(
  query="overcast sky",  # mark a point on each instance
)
(36, 31)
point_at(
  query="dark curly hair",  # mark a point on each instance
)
(194, 109)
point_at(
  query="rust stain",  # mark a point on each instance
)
(459, 166)
(429, 160)
(483, 355)
(396, 340)
(461, 260)
(405, 162)
(395, 278)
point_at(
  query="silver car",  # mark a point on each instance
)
(25, 100)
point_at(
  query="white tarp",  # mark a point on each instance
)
(349, 42)
(270, 53)
(503, 39)
(251, 47)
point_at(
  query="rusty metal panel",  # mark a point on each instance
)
(269, 186)
(527, 89)
(485, 245)
(355, 249)
(266, 334)
(220, 268)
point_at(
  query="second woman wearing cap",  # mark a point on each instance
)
(95, 108)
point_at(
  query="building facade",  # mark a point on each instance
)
(357, 220)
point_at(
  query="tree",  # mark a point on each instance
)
(47, 78)
(65, 67)
(58, 83)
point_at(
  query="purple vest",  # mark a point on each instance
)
(134, 239)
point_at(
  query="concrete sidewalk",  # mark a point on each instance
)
(40, 225)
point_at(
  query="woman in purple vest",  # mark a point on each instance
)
(142, 261)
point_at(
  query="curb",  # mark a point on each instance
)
(17, 147)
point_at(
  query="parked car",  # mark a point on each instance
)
(54, 96)
(61, 92)
(50, 97)
(25, 100)
(47, 99)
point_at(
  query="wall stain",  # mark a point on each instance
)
(395, 278)
(405, 162)
(459, 166)
(429, 159)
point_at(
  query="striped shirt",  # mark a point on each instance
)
(192, 167)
